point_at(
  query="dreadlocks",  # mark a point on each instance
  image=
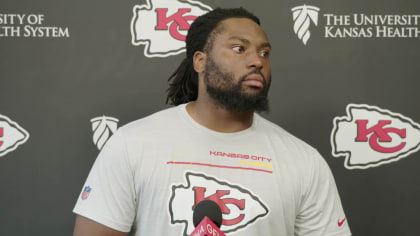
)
(183, 83)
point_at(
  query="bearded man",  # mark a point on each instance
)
(212, 145)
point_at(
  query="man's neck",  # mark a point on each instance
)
(211, 115)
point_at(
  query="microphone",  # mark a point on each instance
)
(210, 209)
(207, 219)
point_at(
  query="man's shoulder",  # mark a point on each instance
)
(153, 122)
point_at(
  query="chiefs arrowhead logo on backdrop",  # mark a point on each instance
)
(370, 136)
(240, 207)
(103, 127)
(162, 25)
(302, 16)
(11, 135)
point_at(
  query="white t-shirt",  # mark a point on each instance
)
(151, 173)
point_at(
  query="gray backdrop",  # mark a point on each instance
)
(54, 86)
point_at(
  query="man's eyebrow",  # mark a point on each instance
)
(246, 41)
(265, 45)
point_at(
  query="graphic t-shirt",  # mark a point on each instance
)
(153, 172)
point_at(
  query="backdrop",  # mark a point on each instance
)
(345, 80)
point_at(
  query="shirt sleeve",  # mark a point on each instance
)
(321, 212)
(108, 196)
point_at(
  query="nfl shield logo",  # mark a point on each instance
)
(86, 192)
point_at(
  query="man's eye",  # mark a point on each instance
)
(238, 48)
(265, 53)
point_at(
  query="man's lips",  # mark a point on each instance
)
(254, 80)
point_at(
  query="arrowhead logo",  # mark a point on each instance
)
(162, 25)
(240, 207)
(302, 16)
(103, 127)
(370, 136)
(11, 135)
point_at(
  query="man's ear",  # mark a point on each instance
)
(199, 61)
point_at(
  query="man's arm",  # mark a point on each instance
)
(87, 227)
(320, 211)
(108, 196)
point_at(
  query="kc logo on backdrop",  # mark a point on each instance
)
(240, 207)
(11, 135)
(103, 127)
(370, 136)
(162, 25)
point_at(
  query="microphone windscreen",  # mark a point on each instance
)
(210, 209)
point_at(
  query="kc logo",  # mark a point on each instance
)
(1, 135)
(240, 207)
(11, 135)
(379, 133)
(177, 22)
(161, 25)
(240, 204)
(370, 136)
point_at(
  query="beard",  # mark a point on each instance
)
(230, 95)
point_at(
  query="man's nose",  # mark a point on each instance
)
(255, 61)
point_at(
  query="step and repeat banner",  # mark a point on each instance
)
(345, 80)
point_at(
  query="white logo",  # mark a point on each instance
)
(11, 135)
(240, 207)
(30, 26)
(302, 16)
(361, 25)
(370, 136)
(162, 25)
(103, 127)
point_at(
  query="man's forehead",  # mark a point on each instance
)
(241, 29)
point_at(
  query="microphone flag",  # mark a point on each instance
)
(207, 228)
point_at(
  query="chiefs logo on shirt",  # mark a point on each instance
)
(240, 207)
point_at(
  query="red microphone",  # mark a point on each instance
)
(207, 219)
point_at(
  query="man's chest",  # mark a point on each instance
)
(248, 182)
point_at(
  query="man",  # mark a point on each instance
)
(152, 173)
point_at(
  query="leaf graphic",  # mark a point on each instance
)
(103, 127)
(303, 15)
